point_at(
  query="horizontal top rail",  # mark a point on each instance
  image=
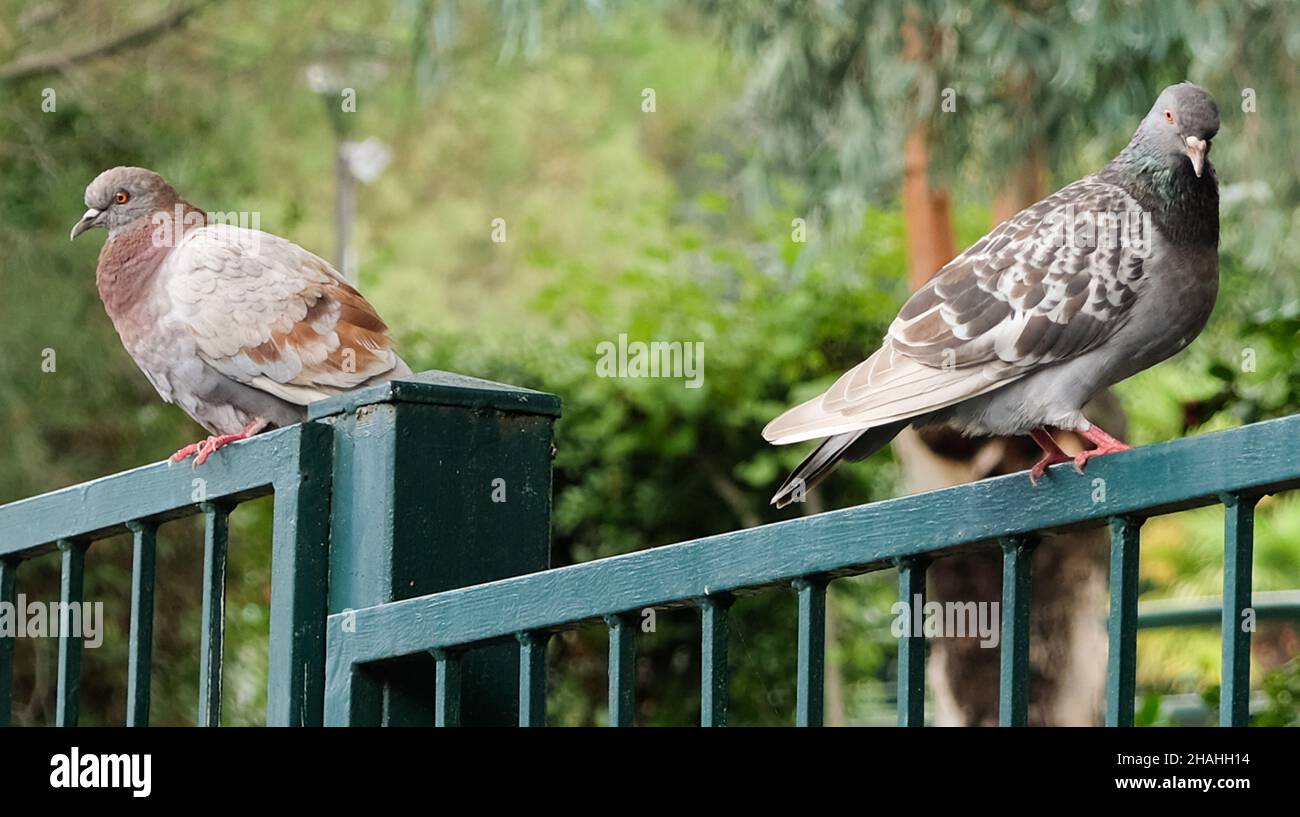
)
(1144, 482)
(1274, 604)
(158, 492)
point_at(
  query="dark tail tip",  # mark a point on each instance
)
(818, 465)
(792, 490)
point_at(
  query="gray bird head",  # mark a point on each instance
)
(1181, 124)
(122, 195)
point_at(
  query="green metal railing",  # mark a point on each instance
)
(1274, 605)
(293, 464)
(1234, 468)
(387, 492)
(411, 540)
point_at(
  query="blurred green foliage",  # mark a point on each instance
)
(676, 224)
(1283, 690)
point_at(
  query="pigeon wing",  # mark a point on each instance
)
(267, 313)
(1047, 285)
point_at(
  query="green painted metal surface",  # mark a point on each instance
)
(1154, 480)
(810, 693)
(440, 482)
(532, 679)
(7, 590)
(1238, 553)
(1269, 605)
(1121, 661)
(293, 464)
(715, 635)
(72, 582)
(1013, 675)
(300, 544)
(911, 645)
(844, 542)
(447, 681)
(446, 389)
(216, 535)
(161, 492)
(140, 647)
(622, 669)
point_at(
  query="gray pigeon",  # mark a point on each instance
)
(1098, 281)
(240, 328)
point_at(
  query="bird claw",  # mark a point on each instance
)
(1040, 468)
(206, 448)
(184, 453)
(1105, 444)
(1081, 459)
(209, 447)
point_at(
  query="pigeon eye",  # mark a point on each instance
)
(122, 197)
(1169, 117)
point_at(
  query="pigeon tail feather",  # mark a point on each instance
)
(885, 388)
(854, 445)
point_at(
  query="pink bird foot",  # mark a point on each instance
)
(1105, 444)
(206, 448)
(1052, 454)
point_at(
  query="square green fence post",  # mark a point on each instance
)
(440, 481)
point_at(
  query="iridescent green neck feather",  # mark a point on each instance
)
(1184, 207)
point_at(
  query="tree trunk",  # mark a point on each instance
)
(925, 212)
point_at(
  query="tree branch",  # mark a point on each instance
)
(49, 61)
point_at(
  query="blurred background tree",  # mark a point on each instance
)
(678, 222)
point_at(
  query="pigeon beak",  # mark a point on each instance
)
(1196, 150)
(90, 219)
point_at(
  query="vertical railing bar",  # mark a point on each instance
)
(622, 669)
(1238, 554)
(715, 631)
(140, 650)
(446, 700)
(1013, 680)
(300, 542)
(72, 585)
(1121, 660)
(8, 589)
(215, 546)
(911, 645)
(811, 691)
(532, 679)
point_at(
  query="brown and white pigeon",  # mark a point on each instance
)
(1102, 279)
(240, 328)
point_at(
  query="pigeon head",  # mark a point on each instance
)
(1180, 126)
(123, 195)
